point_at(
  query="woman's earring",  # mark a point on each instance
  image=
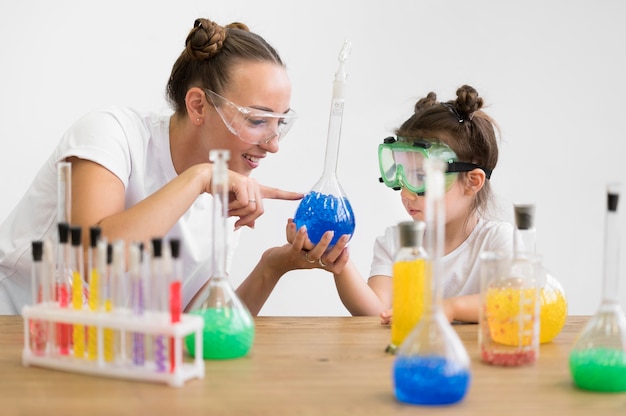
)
(198, 119)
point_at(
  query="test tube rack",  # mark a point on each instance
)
(124, 323)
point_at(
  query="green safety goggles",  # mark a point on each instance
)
(401, 163)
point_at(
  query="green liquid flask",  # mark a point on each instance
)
(597, 360)
(228, 325)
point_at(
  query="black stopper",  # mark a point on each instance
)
(37, 250)
(64, 232)
(175, 247)
(157, 245)
(524, 216)
(94, 235)
(612, 201)
(109, 253)
(75, 232)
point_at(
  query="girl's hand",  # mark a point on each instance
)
(385, 317)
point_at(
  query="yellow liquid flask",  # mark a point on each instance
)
(228, 325)
(597, 360)
(326, 207)
(411, 289)
(432, 367)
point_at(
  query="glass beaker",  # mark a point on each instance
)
(326, 207)
(509, 314)
(597, 360)
(411, 290)
(431, 366)
(228, 325)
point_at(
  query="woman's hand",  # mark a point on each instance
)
(310, 256)
(246, 196)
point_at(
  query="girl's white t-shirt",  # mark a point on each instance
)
(461, 266)
(136, 148)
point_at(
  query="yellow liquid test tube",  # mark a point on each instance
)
(94, 292)
(109, 336)
(77, 290)
(94, 300)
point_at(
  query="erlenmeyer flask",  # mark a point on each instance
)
(598, 358)
(326, 207)
(228, 325)
(431, 366)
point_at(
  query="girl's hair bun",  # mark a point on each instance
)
(467, 101)
(424, 103)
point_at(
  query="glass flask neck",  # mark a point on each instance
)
(219, 188)
(611, 258)
(525, 235)
(334, 136)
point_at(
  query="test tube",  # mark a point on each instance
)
(137, 299)
(38, 328)
(64, 192)
(76, 256)
(107, 298)
(94, 290)
(175, 287)
(119, 293)
(159, 298)
(62, 289)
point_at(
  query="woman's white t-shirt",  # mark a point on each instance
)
(461, 266)
(136, 148)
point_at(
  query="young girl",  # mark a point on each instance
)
(458, 130)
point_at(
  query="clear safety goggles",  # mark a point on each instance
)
(401, 163)
(251, 125)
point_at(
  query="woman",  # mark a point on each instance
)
(139, 176)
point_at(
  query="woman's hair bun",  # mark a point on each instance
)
(205, 39)
(237, 25)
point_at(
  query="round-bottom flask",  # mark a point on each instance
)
(326, 207)
(552, 308)
(598, 358)
(228, 325)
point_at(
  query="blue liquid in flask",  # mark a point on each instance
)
(429, 380)
(324, 212)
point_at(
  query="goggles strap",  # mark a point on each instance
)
(466, 167)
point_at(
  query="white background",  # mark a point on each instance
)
(551, 72)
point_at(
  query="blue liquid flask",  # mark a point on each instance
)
(326, 206)
(431, 366)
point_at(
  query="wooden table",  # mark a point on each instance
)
(301, 366)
